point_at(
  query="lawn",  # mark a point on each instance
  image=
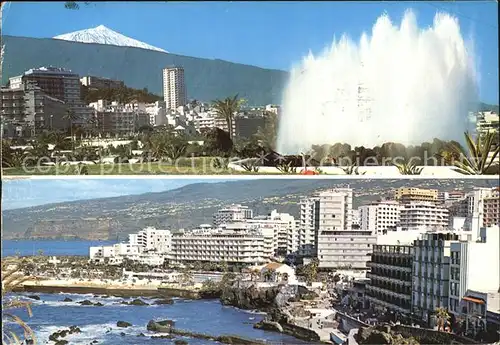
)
(122, 169)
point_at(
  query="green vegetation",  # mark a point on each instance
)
(442, 317)
(226, 109)
(309, 271)
(123, 95)
(12, 278)
(479, 156)
(408, 168)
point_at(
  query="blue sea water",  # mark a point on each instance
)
(50, 314)
(31, 247)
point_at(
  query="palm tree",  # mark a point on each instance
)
(12, 278)
(226, 109)
(71, 117)
(479, 156)
(442, 317)
(58, 139)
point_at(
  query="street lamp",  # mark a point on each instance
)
(51, 116)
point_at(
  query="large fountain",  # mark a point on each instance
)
(400, 84)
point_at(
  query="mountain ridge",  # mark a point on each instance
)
(189, 206)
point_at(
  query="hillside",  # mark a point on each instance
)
(189, 206)
(139, 68)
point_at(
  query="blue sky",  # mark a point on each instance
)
(27, 192)
(266, 34)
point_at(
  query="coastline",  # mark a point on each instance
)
(115, 288)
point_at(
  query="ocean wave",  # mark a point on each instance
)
(89, 332)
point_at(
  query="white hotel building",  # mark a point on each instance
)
(149, 246)
(231, 214)
(431, 272)
(423, 215)
(285, 234)
(468, 268)
(307, 226)
(337, 244)
(174, 88)
(234, 244)
(381, 216)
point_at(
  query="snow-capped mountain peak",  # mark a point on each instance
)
(104, 35)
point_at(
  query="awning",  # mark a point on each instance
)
(473, 300)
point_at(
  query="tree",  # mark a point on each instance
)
(71, 117)
(13, 278)
(267, 135)
(226, 109)
(176, 147)
(479, 156)
(218, 142)
(442, 317)
(310, 271)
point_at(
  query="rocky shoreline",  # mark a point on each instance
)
(111, 291)
(268, 300)
(272, 301)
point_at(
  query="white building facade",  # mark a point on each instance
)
(174, 87)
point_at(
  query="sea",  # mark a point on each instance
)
(51, 314)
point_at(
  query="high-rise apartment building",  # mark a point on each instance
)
(468, 269)
(59, 83)
(420, 215)
(380, 216)
(307, 233)
(174, 87)
(284, 229)
(337, 244)
(431, 273)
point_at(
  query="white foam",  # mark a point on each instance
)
(400, 84)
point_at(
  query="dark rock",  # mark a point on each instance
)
(141, 335)
(35, 297)
(98, 304)
(164, 301)
(61, 342)
(123, 324)
(95, 342)
(137, 302)
(165, 336)
(67, 299)
(180, 342)
(122, 334)
(160, 326)
(85, 302)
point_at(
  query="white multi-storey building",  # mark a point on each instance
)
(337, 244)
(475, 201)
(468, 269)
(152, 239)
(231, 214)
(356, 218)
(221, 245)
(380, 216)
(284, 229)
(157, 113)
(431, 272)
(427, 215)
(307, 226)
(174, 87)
